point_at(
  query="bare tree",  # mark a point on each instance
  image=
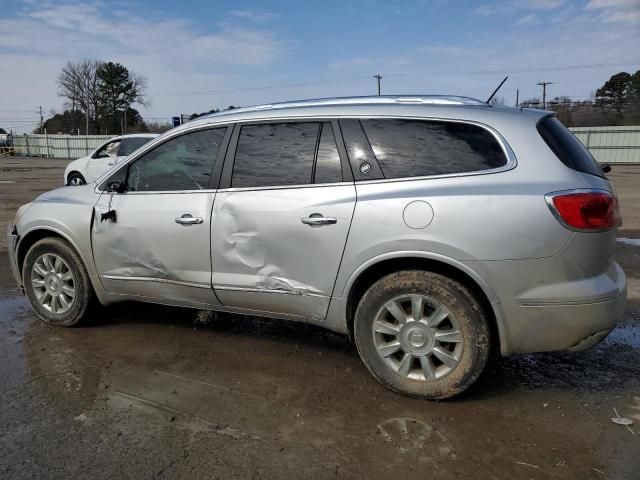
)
(79, 84)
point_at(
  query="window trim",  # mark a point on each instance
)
(506, 148)
(227, 172)
(214, 180)
(348, 178)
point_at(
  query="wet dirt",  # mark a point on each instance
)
(146, 391)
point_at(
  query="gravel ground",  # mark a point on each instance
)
(147, 392)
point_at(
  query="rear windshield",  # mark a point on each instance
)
(567, 147)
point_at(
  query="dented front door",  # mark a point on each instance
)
(158, 247)
(279, 250)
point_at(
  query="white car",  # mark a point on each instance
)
(116, 149)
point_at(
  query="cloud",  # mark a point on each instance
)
(441, 50)
(254, 15)
(173, 53)
(529, 19)
(514, 6)
(616, 11)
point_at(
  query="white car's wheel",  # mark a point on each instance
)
(76, 179)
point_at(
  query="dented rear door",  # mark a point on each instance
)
(280, 227)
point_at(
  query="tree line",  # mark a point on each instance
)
(615, 103)
(99, 98)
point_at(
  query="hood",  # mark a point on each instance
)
(82, 194)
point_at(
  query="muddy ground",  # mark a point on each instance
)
(144, 392)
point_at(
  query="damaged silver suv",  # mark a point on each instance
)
(432, 230)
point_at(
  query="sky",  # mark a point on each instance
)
(199, 55)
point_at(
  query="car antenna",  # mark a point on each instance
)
(496, 90)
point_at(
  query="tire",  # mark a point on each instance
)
(75, 179)
(59, 273)
(414, 368)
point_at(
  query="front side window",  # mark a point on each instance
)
(182, 163)
(110, 150)
(415, 148)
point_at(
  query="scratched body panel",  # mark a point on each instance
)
(265, 258)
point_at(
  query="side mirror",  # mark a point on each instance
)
(606, 168)
(116, 187)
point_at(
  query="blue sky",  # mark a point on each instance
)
(200, 55)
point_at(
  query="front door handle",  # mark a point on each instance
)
(317, 219)
(187, 219)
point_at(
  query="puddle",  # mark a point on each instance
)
(629, 241)
(626, 334)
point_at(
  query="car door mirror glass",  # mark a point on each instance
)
(116, 187)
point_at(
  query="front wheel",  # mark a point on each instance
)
(56, 283)
(422, 334)
(75, 179)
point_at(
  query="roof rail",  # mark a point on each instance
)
(364, 100)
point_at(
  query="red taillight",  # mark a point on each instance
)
(590, 210)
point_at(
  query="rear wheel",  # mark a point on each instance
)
(422, 334)
(56, 283)
(75, 179)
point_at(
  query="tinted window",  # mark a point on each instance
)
(132, 144)
(275, 154)
(182, 163)
(361, 158)
(328, 166)
(414, 148)
(567, 147)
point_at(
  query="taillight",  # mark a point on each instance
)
(585, 209)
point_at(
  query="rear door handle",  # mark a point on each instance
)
(187, 219)
(316, 220)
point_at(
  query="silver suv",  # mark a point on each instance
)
(432, 230)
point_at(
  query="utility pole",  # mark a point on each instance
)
(544, 93)
(378, 77)
(40, 119)
(517, 97)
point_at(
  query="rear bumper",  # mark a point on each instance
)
(12, 242)
(570, 315)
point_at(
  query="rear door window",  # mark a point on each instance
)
(328, 167)
(281, 154)
(567, 147)
(416, 148)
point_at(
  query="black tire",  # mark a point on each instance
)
(474, 347)
(75, 179)
(84, 299)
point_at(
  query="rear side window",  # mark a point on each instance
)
(416, 148)
(567, 147)
(132, 144)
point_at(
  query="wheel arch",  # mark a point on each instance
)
(384, 265)
(36, 234)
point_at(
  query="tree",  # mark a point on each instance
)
(613, 94)
(119, 89)
(78, 83)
